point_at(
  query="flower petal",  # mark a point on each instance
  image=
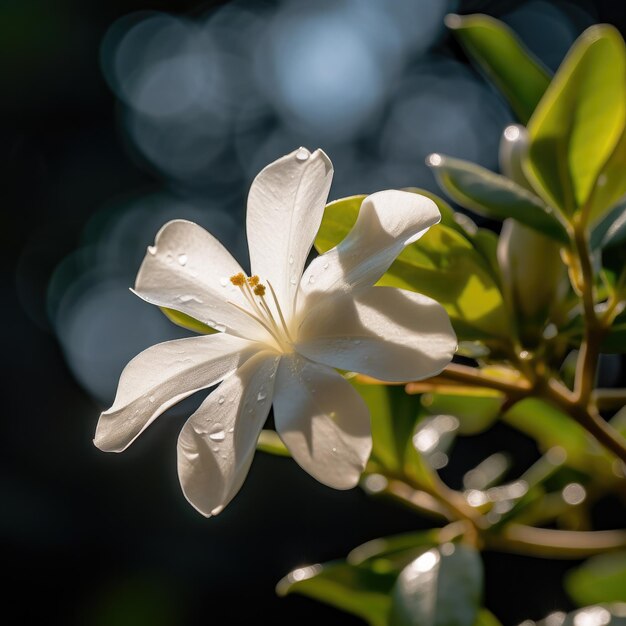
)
(388, 221)
(390, 334)
(188, 270)
(161, 376)
(323, 421)
(217, 444)
(285, 209)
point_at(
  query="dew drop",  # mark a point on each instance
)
(151, 399)
(231, 430)
(290, 259)
(334, 449)
(223, 281)
(220, 400)
(326, 265)
(152, 250)
(292, 280)
(217, 433)
(303, 154)
(182, 259)
(311, 279)
(261, 396)
(189, 298)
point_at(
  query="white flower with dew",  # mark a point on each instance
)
(281, 333)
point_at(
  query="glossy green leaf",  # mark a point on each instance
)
(186, 321)
(443, 264)
(355, 589)
(578, 122)
(494, 196)
(270, 442)
(600, 579)
(439, 588)
(596, 615)
(611, 229)
(498, 52)
(611, 184)
(393, 553)
(486, 618)
(476, 409)
(393, 415)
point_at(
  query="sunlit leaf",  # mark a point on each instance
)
(600, 579)
(186, 321)
(393, 415)
(355, 589)
(439, 588)
(498, 52)
(394, 553)
(579, 120)
(270, 442)
(494, 196)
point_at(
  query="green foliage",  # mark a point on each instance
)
(355, 589)
(498, 52)
(579, 121)
(186, 321)
(442, 587)
(600, 579)
(494, 196)
(270, 442)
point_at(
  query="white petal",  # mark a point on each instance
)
(285, 209)
(390, 334)
(388, 221)
(161, 376)
(217, 444)
(323, 421)
(187, 269)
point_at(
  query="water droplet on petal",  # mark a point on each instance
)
(182, 259)
(220, 400)
(311, 279)
(152, 250)
(326, 265)
(292, 280)
(334, 449)
(217, 433)
(261, 396)
(151, 398)
(290, 259)
(303, 154)
(223, 281)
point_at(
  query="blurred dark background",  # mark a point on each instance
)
(118, 115)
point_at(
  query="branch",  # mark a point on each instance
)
(563, 544)
(609, 399)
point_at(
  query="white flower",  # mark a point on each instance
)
(281, 333)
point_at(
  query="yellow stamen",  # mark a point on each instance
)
(259, 290)
(253, 281)
(239, 280)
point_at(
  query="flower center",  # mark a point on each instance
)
(254, 292)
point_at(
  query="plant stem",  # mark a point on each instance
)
(587, 417)
(609, 399)
(548, 543)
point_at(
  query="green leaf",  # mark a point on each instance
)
(486, 618)
(476, 409)
(576, 126)
(354, 589)
(186, 321)
(270, 442)
(600, 579)
(443, 264)
(494, 196)
(611, 184)
(611, 229)
(439, 588)
(394, 414)
(391, 554)
(498, 52)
